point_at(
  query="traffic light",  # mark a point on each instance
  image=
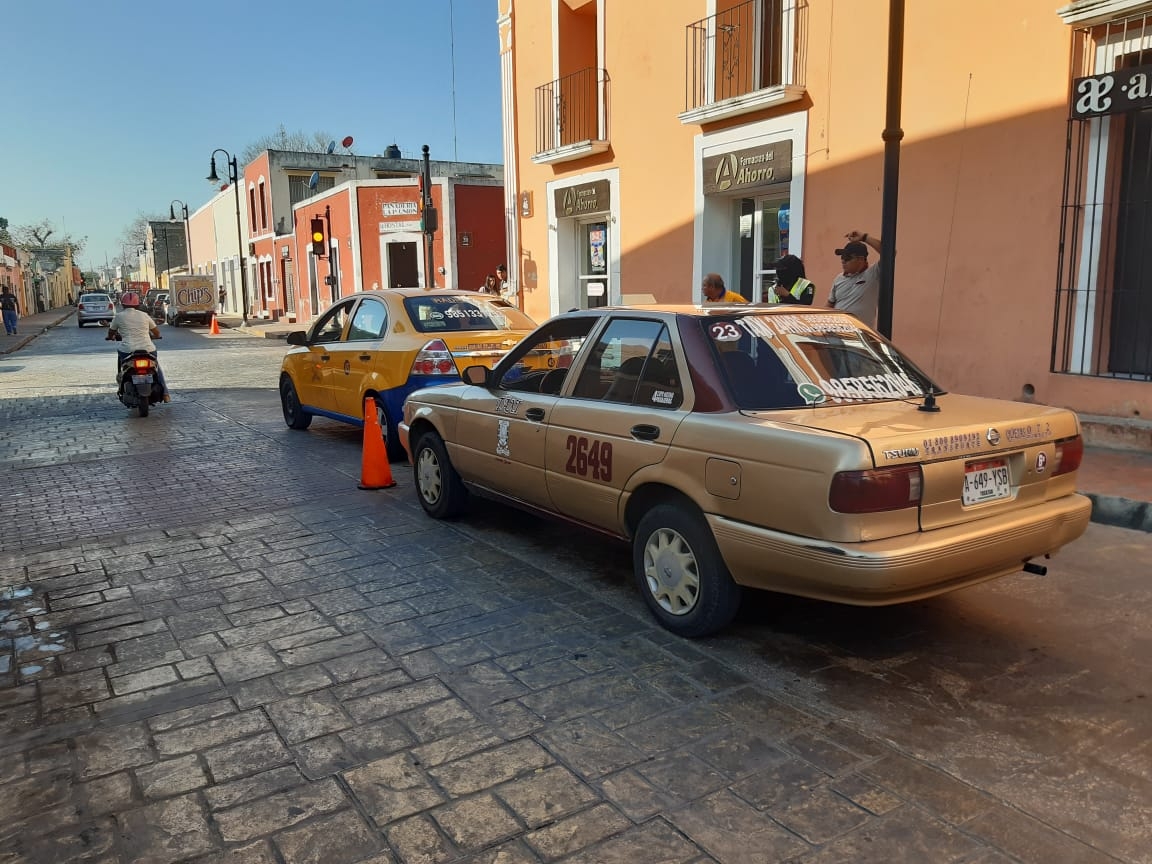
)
(318, 241)
(429, 221)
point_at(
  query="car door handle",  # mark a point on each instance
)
(325, 357)
(534, 413)
(645, 432)
(365, 357)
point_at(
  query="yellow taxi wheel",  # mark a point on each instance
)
(681, 574)
(294, 414)
(441, 493)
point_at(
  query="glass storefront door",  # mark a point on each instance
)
(592, 279)
(761, 240)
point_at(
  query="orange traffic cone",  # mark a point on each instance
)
(215, 329)
(375, 472)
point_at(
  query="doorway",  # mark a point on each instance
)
(402, 264)
(1130, 342)
(762, 239)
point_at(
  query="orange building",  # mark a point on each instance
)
(644, 150)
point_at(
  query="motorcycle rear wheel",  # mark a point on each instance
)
(142, 405)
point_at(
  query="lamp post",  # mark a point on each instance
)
(234, 179)
(187, 230)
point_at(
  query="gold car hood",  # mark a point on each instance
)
(898, 431)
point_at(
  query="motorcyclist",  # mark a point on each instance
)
(136, 328)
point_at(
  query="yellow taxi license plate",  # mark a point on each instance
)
(986, 481)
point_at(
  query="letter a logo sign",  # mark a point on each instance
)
(725, 172)
(569, 201)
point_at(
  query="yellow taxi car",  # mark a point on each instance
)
(384, 345)
(778, 448)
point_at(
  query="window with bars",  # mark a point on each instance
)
(298, 187)
(1103, 320)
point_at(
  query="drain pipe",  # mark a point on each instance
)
(892, 137)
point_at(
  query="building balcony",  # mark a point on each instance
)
(744, 59)
(572, 117)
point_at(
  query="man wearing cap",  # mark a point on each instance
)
(857, 290)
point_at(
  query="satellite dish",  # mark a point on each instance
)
(314, 179)
(347, 142)
(331, 146)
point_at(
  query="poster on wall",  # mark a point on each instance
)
(597, 249)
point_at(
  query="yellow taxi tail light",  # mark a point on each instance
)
(876, 490)
(1069, 453)
(434, 359)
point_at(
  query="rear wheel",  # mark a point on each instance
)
(142, 406)
(294, 414)
(680, 572)
(442, 494)
(392, 443)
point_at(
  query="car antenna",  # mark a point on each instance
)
(929, 403)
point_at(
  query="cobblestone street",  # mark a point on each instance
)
(214, 648)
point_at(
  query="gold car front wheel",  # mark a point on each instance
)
(442, 494)
(681, 574)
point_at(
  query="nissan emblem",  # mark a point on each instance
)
(993, 436)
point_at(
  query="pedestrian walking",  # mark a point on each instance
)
(791, 285)
(715, 292)
(11, 310)
(857, 289)
(223, 297)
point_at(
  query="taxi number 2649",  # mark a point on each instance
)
(589, 456)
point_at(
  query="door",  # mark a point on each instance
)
(617, 417)
(403, 264)
(313, 284)
(771, 242)
(593, 276)
(357, 354)
(289, 286)
(502, 429)
(316, 385)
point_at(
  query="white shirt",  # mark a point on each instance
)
(858, 294)
(135, 327)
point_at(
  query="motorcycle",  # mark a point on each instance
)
(138, 382)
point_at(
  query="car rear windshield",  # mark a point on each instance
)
(95, 298)
(456, 313)
(788, 361)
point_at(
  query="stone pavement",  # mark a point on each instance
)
(31, 326)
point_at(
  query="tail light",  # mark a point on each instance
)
(876, 490)
(79, 305)
(1069, 453)
(142, 363)
(434, 359)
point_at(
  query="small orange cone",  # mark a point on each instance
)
(375, 472)
(215, 330)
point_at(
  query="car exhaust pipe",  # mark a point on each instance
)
(1035, 569)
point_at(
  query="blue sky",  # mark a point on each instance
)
(113, 108)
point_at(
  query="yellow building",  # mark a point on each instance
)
(648, 144)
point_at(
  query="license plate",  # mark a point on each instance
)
(986, 481)
(141, 379)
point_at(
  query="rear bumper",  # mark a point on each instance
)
(402, 433)
(898, 569)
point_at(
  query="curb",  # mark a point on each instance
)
(24, 340)
(1121, 512)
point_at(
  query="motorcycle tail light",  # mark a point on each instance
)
(434, 359)
(142, 363)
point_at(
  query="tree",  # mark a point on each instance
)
(5, 237)
(136, 234)
(282, 139)
(34, 238)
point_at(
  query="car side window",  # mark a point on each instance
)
(369, 321)
(540, 363)
(331, 327)
(623, 357)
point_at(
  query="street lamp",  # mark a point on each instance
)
(234, 179)
(187, 230)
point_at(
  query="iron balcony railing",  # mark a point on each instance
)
(754, 46)
(572, 109)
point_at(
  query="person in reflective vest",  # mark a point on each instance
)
(791, 285)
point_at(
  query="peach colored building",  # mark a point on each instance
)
(644, 150)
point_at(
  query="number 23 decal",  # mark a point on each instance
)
(584, 454)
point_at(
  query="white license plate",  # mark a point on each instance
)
(141, 379)
(986, 481)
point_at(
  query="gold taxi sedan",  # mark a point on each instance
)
(385, 344)
(793, 450)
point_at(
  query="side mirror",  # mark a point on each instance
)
(297, 337)
(477, 375)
